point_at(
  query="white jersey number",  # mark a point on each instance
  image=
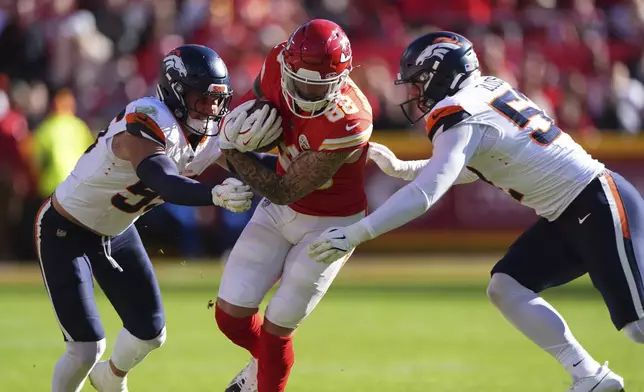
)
(139, 189)
(526, 116)
(123, 202)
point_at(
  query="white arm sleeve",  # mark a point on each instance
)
(416, 167)
(452, 150)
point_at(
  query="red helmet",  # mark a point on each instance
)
(315, 65)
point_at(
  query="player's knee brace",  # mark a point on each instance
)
(130, 350)
(635, 331)
(144, 344)
(158, 341)
(86, 354)
(504, 289)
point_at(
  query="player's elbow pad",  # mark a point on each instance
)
(160, 174)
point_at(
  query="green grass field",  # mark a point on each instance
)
(401, 325)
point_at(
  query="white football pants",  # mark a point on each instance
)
(272, 246)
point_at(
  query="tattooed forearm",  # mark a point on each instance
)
(308, 172)
(261, 179)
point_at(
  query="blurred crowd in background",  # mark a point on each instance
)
(68, 66)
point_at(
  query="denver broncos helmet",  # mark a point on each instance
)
(194, 69)
(435, 66)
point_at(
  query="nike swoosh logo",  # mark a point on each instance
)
(348, 128)
(575, 365)
(344, 237)
(581, 220)
(438, 114)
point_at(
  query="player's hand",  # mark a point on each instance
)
(331, 245)
(386, 160)
(261, 128)
(232, 195)
(248, 132)
(232, 124)
(391, 165)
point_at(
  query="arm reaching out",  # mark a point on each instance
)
(160, 174)
(407, 170)
(452, 150)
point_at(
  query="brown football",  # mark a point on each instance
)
(260, 103)
(272, 146)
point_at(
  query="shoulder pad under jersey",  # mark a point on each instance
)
(465, 105)
(350, 123)
(149, 118)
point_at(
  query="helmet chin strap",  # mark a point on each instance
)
(311, 107)
(199, 126)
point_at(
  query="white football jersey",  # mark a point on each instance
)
(522, 151)
(104, 193)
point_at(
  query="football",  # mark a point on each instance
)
(259, 105)
(271, 146)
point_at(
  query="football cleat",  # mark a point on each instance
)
(246, 380)
(604, 381)
(104, 380)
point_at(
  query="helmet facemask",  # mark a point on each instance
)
(206, 111)
(426, 89)
(197, 115)
(417, 85)
(307, 93)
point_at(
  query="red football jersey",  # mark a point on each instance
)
(347, 126)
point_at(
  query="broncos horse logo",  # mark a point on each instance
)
(173, 61)
(438, 49)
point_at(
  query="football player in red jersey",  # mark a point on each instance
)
(319, 183)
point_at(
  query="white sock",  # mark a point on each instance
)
(129, 350)
(542, 324)
(74, 365)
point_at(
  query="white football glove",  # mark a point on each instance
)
(391, 165)
(232, 124)
(232, 195)
(332, 245)
(246, 132)
(260, 129)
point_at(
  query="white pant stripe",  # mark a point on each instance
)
(621, 250)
